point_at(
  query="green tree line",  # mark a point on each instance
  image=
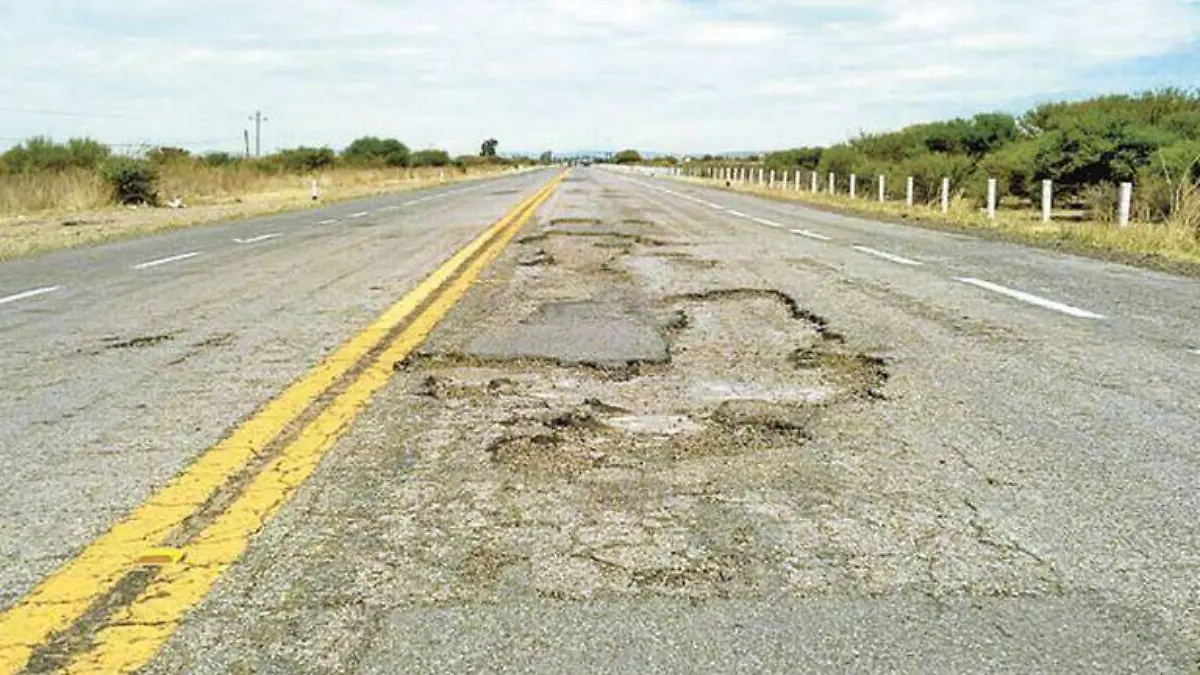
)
(1087, 148)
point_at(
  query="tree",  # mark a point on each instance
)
(627, 157)
(374, 151)
(488, 148)
(546, 157)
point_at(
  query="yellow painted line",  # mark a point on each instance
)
(63, 597)
(135, 633)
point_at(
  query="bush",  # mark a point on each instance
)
(627, 157)
(43, 154)
(132, 181)
(370, 150)
(304, 159)
(166, 155)
(429, 158)
(219, 159)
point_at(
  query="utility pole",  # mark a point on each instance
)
(246, 137)
(258, 119)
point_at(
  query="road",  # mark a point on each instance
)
(671, 428)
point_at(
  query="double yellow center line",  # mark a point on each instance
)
(129, 635)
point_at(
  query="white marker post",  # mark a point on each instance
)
(908, 193)
(1047, 199)
(945, 195)
(316, 193)
(814, 181)
(991, 199)
(853, 185)
(772, 183)
(882, 188)
(1125, 204)
(762, 176)
(832, 183)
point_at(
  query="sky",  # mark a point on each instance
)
(683, 76)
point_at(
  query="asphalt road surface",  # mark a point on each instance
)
(670, 429)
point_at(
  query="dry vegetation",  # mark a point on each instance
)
(52, 210)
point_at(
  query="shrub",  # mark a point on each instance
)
(166, 155)
(627, 157)
(43, 154)
(132, 181)
(429, 158)
(304, 159)
(370, 150)
(219, 159)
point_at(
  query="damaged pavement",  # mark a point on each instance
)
(627, 449)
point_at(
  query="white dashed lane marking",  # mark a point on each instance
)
(165, 261)
(811, 235)
(255, 240)
(890, 257)
(1031, 298)
(25, 295)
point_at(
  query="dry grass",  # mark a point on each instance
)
(1177, 240)
(70, 191)
(50, 212)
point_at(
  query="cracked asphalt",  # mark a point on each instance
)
(657, 436)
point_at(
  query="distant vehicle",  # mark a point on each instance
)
(586, 161)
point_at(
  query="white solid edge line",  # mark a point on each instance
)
(255, 240)
(360, 214)
(1031, 298)
(28, 294)
(899, 260)
(164, 261)
(811, 235)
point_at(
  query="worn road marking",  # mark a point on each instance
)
(137, 631)
(711, 205)
(67, 594)
(1031, 298)
(892, 257)
(739, 214)
(811, 235)
(28, 294)
(261, 237)
(164, 261)
(330, 221)
(764, 221)
(360, 214)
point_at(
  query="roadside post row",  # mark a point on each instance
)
(1012, 293)
(739, 175)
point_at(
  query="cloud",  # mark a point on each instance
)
(681, 75)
